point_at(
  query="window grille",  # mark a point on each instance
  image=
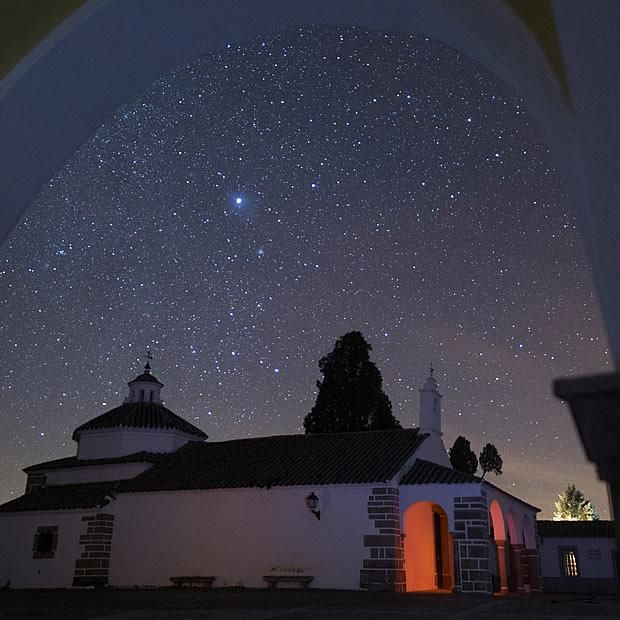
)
(569, 564)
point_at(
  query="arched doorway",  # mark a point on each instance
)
(429, 563)
(498, 560)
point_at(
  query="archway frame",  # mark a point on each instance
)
(428, 548)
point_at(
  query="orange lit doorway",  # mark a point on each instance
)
(428, 548)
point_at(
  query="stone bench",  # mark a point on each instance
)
(194, 581)
(301, 580)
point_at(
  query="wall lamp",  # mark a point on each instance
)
(312, 501)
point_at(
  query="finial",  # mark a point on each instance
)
(149, 357)
(432, 370)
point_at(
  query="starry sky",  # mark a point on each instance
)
(252, 206)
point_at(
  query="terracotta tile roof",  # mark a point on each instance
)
(65, 497)
(73, 461)
(140, 415)
(284, 460)
(425, 472)
(576, 529)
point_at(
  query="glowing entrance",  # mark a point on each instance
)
(428, 548)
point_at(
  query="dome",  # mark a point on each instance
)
(144, 415)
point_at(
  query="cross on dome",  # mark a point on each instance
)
(149, 357)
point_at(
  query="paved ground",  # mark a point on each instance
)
(293, 605)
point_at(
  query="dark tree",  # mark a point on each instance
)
(462, 457)
(490, 460)
(351, 396)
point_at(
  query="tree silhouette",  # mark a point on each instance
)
(462, 457)
(490, 460)
(573, 506)
(351, 396)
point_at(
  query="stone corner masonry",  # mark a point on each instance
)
(92, 568)
(383, 568)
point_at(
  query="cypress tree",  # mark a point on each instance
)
(350, 396)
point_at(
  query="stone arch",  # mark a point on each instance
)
(513, 531)
(497, 555)
(42, 125)
(428, 548)
(498, 525)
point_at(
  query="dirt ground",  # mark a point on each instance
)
(294, 604)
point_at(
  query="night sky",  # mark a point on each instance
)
(254, 205)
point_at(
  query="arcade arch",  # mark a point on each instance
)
(428, 549)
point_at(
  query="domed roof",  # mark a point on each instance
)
(145, 376)
(140, 415)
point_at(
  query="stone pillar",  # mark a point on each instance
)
(92, 567)
(501, 562)
(518, 566)
(456, 556)
(532, 570)
(471, 527)
(383, 569)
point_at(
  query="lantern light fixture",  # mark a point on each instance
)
(312, 501)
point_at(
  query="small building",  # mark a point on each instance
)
(578, 556)
(148, 501)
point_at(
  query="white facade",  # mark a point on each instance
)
(115, 442)
(579, 556)
(240, 535)
(368, 534)
(95, 473)
(19, 569)
(595, 557)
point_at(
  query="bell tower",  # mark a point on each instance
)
(430, 406)
(144, 388)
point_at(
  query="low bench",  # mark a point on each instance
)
(301, 580)
(194, 581)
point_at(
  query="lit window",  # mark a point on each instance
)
(568, 562)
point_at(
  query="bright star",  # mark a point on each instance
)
(238, 200)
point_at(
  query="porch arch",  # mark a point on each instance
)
(498, 559)
(428, 548)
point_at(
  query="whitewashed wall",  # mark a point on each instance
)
(240, 535)
(589, 566)
(17, 532)
(96, 473)
(105, 443)
(433, 450)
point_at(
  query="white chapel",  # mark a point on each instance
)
(149, 501)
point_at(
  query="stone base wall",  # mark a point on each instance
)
(583, 585)
(383, 569)
(471, 544)
(92, 568)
